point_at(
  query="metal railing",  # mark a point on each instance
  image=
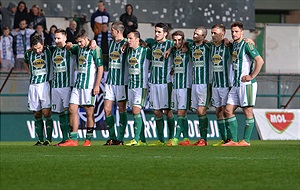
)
(277, 81)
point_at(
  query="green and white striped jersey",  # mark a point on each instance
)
(117, 70)
(242, 59)
(201, 66)
(138, 67)
(160, 67)
(63, 68)
(221, 66)
(87, 65)
(39, 65)
(182, 65)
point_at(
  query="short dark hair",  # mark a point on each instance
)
(23, 19)
(53, 26)
(81, 33)
(237, 24)
(178, 33)
(59, 30)
(34, 40)
(164, 26)
(221, 26)
(6, 28)
(136, 34)
(39, 25)
(203, 29)
(118, 25)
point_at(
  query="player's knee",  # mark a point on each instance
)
(72, 110)
(46, 112)
(37, 114)
(228, 113)
(107, 111)
(157, 113)
(169, 113)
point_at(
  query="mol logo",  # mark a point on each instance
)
(114, 55)
(58, 59)
(280, 121)
(157, 53)
(197, 53)
(38, 63)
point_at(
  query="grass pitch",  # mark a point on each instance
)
(263, 165)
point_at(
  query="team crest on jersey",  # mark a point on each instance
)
(114, 55)
(178, 60)
(234, 56)
(132, 61)
(216, 59)
(58, 59)
(81, 60)
(38, 63)
(197, 53)
(157, 53)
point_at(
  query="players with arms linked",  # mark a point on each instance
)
(87, 86)
(161, 83)
(116, 85)
(37, 62)
(62, 82)
(182, 81)
(138, 67)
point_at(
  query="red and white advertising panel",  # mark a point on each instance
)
(278, 124)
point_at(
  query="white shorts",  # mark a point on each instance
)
(219, 97)
(243, 96)
(200, 96)
(181, 99)
(160, 96)
(60, 99)
(137, 97)
(39, 96)
(82, 97)
(115, 92)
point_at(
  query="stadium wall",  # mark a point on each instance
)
(21, 127)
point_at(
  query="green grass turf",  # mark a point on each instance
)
(265, 165)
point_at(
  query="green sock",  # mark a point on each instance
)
(110, 123)
(222, 128)
(233, 126)
(39, 127)
(203, 126)
(138, 122)
(74, 135)
(179, 127)
(65, 125)
(160, 128)
(228, 132)
(49, 128)
(171, 126)
(142, 134)
(89, 133)
(248, 129)
(185, 128)
(123, 125)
